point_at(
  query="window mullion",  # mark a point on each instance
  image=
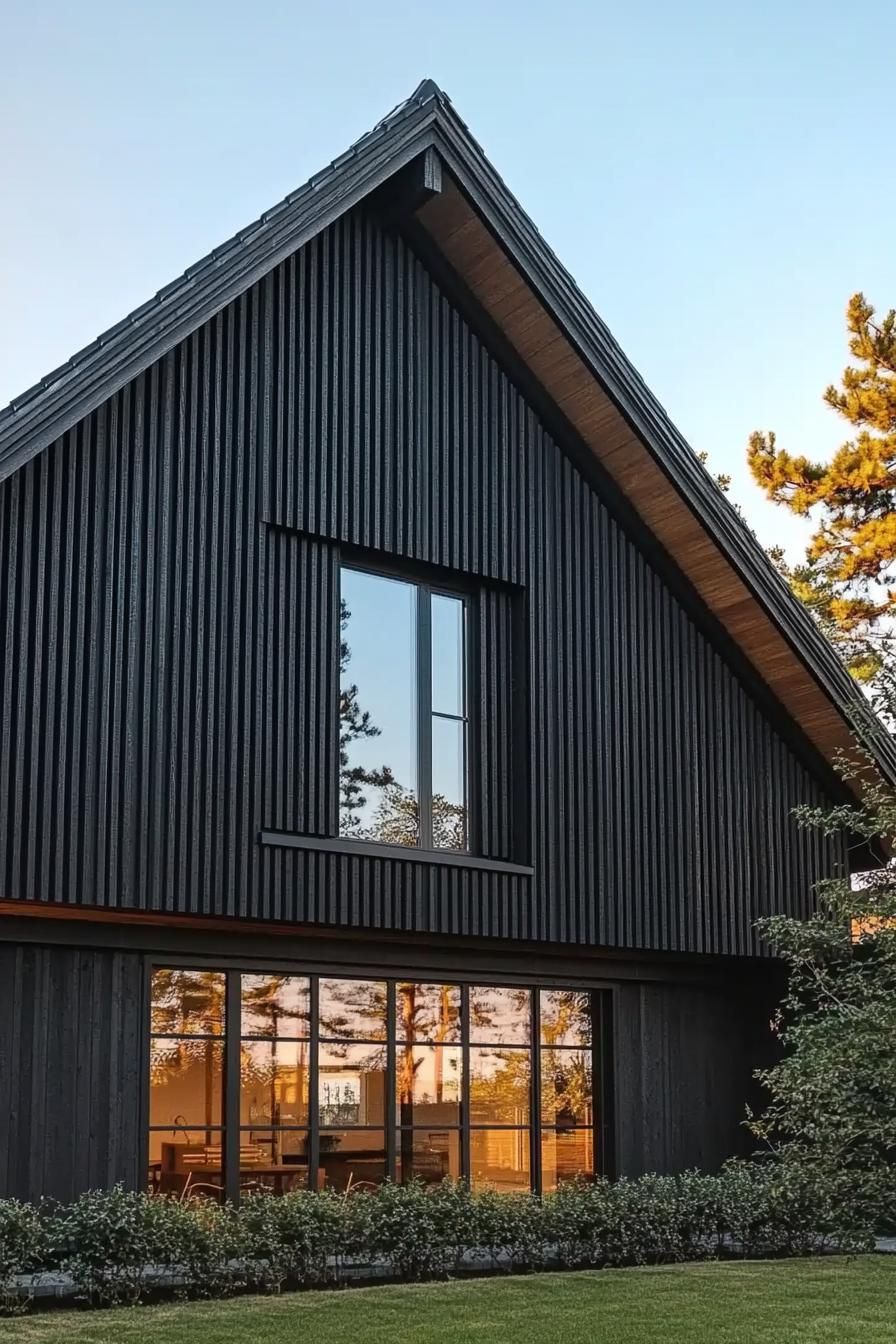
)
(424, 715)
(535, 1091)
(390, 1116)
(232, 1045)
(314, 1084)
(465, 1084)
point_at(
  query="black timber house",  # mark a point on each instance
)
(399, 732)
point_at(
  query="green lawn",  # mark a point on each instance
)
(790, 1302)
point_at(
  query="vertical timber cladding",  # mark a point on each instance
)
(72, 1058)
(684, 1057)
(168, 666)
(660, 808)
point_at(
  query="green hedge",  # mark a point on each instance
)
(122, 1247)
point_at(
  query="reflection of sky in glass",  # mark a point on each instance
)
(447, 655)
(380, 635)
(448, 759)
(420, 1078)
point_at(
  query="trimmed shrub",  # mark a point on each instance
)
(300, 1238)
(121, 1247)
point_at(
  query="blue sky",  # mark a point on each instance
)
(718, 179)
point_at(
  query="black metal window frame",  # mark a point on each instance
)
(600, 1129)
(426, 589)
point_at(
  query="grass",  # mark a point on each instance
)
(761, 1302)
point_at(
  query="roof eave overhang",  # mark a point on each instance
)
(787, 649)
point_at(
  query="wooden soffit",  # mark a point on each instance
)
(472, 250)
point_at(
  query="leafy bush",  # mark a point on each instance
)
(24, 1249)
(300, 1238)
(120, 1247)
(830, 1112)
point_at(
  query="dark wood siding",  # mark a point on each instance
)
(71, 1069)
(169, 613)
(683, 1060)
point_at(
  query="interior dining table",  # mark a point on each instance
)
(281, 1175)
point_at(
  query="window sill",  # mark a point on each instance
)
(369, 849)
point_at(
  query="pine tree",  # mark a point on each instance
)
(849, 572)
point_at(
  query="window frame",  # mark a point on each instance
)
(425, 588)
(601, 1048)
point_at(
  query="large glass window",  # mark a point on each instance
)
(403, 724)
(270, 1079)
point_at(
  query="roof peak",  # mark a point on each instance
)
(426, 89)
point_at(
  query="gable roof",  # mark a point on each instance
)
(483, 233)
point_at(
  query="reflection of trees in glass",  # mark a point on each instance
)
(428, 1012)
(499, 1015)
(397, 819)
(353, 1010)
(499, 1086)
(565, 1017)
(354, 724)
(352, 1084)
(274, 1005)
(566, 1087)
(187, 1002)
(339, 1103)
(424, 1013)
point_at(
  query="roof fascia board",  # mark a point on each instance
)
(557, 292)
(119, 357)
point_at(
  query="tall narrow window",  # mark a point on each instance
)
(274, 1073)
(567, 1096)
(186, 1068)
(403, 721)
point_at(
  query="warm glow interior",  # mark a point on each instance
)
(494, 1083)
